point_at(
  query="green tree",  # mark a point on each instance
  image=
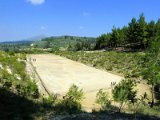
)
(142, 32)
(71, 102)
(103, 41)
(151, 71)
(132, 32)
(151, 32)
(78, 46)
(114, 37)
(102, 98)
(158, 28)
(123, 92)
(75, 93)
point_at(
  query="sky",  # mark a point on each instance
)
(23, 19)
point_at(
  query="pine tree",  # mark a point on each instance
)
(142, 32)
(123, 92)
(132, 32)
(158, 28)
(151, 71)
(114, 37)
(151, 32)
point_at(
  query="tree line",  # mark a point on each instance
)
(138, 34)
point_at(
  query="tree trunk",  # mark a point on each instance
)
(120, 107)
(152, 103)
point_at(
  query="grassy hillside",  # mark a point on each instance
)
(15, 46)
(63, 41)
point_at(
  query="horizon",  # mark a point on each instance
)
(24, 19)
(40, 37)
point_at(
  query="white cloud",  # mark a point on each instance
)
(43, 28)
(36, 2)
(81, 27)
(85, 13)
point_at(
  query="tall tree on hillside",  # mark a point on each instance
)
(78, 46)
(114, 37)
(158, 28)
(124, 92)
(118, 36)
(132, 32)
(152, 71)
(142, 32)
(151, 32)
(103, 41)
(124, 34)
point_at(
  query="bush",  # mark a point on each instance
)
(75, 94)
(32, 89)
(123, 93)
(68, 106)
(71, 102)
(102, 98)
(48, 102)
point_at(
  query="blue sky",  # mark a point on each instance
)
(20, 19)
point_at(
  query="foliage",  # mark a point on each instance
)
(74, 93)
(14, 46)
(66, 42)
(50, 101)
(102, 98)
(110, 61)
(152, 69)
(137, 35)
(71, 102)
(123, 92)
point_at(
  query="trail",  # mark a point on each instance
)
(57, 74)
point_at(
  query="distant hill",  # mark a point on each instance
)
(47, 42)
(19, 44)
(63, 41)
(28, 40)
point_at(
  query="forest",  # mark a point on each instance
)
(137, 35)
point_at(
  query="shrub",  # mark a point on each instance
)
(75, 94)
(102, 98)
(123, 92)
(48, 102)
(32, 89)
(71, 102)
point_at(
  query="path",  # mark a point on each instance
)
(59, 73)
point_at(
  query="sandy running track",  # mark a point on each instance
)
(59, 73)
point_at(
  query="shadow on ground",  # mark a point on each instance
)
(14, 107)
(105, 116)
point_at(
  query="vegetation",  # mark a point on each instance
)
(110, 61)
(71, 101)
(103, 99)
(138, 34)
(22, 100)
(123, 93)
(20, 97)
(138, 66)
(151, 71)
(66, 42)
(15, 46)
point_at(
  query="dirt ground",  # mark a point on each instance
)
(59, 73)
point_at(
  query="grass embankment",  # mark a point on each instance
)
(19, 96)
